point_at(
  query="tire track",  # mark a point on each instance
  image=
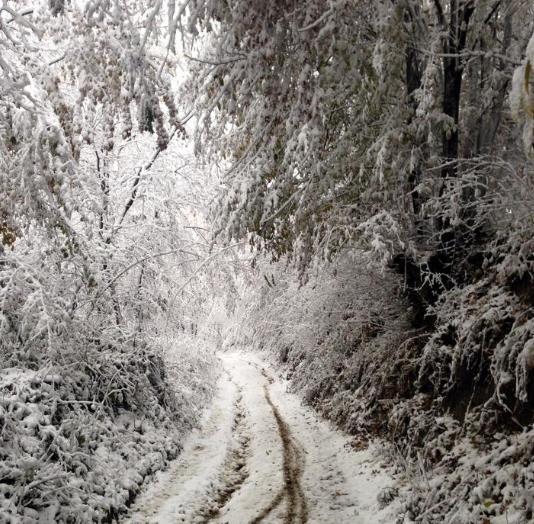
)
(233, 472)
(180, 497)
(246, 466)
(293, 465)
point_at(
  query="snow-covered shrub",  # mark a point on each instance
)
(89, 403)
(472, 424)
(77, 438)
(484, 479)
(98, 383)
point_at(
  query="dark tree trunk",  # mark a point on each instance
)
(413, 84)
(453, 68)
(490, 120)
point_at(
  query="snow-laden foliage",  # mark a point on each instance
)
(336, 335)
(79, 437)
(332, 112)
(375, 132)
(382, 130)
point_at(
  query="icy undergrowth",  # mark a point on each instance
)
(470, 423)
(77, 439)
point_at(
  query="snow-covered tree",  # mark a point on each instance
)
(338, 110)
(385, 127)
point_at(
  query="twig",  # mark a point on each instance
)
(212, 62)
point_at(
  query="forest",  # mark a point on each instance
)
(342, 191)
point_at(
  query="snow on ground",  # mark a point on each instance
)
(179, 493)
(260, 456)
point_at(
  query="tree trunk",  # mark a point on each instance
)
(453, 69)
(412, 15)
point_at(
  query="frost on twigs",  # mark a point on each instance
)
(386, 496)
(382, 235)
(90, 402)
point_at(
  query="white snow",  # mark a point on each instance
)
(254, 418)
(176, 493)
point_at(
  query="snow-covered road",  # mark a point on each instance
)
(260, 456)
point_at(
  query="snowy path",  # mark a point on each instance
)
(260, 456)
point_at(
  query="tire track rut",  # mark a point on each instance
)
(234, 469)
(245, 465)
(293, 466)
(178, 496)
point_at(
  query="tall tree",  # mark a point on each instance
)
(339, 111)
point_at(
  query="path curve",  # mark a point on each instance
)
(261, 457)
